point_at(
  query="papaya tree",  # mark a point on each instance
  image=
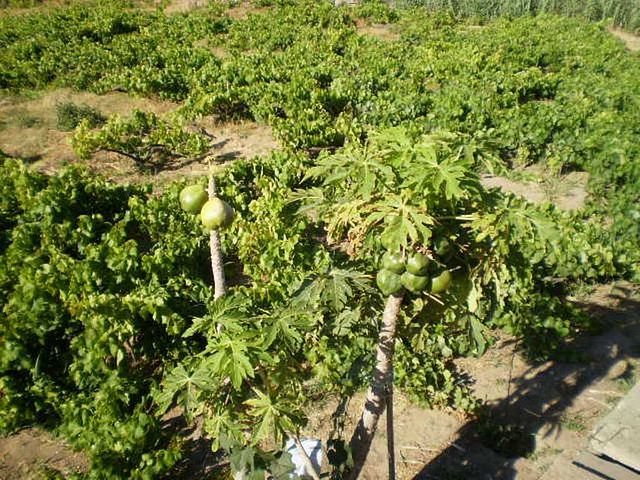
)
(412, 207)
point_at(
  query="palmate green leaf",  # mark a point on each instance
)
(360, 170)
(186, 386)
(334, 288)
(227, 311)
(282, 467)
(392, 140)
(224, 427)
(274, 417)
(452, 176)
(404, 151)
(346, 321)
(243, 460)
(338, 288)
(406, 223)
(515, 219)
(476, 330)
(347, 215)
(285, 325)
(231, 357)
(312, 200)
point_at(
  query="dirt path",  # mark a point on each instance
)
(567, 192)
(539, 414)
(29, 126)
(32, 454)
(632, 41)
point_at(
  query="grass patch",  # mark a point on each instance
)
(624, 13)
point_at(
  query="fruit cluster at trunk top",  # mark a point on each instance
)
(215, 213)
(413, 271)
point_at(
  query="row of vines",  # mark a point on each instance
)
(108, 314)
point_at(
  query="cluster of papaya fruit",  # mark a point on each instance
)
(415, 271)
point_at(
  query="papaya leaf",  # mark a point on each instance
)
(275, 417)
(185, 386)
(476, 329)
(231, 357)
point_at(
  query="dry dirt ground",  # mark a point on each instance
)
(566, 191)
(632, 41)
(381, 31)
(539, 414)
(28, 130)
(31, 453)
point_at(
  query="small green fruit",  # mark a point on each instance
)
(216, 214)
(393, 261)
(414, 283)
(388, 282)
(441, 282)
(386, 240)
(192, 198)
(442, 246)
(418, 264)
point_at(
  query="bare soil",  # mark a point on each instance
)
(566, 191)
(32, 453)
(177, 6)
(242, 11)
(381, 31)
(539, 414)
(631, 41)
(28, 127)
(28, 130)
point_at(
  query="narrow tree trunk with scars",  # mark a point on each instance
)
(217, 265)
(377, 394)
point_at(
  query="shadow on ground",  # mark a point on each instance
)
(199, 461)
(539, 398)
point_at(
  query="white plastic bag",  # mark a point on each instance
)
(313, 447)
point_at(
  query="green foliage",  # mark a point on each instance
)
(375, 11)
(69, 116)
(102, 47)
(90, 288)
(108, 318)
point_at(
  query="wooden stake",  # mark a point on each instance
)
(391, 452)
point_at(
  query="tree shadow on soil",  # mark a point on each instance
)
(199, 460)
(489, 446)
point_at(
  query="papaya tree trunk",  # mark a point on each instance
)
(217, 265)
(377, 395)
